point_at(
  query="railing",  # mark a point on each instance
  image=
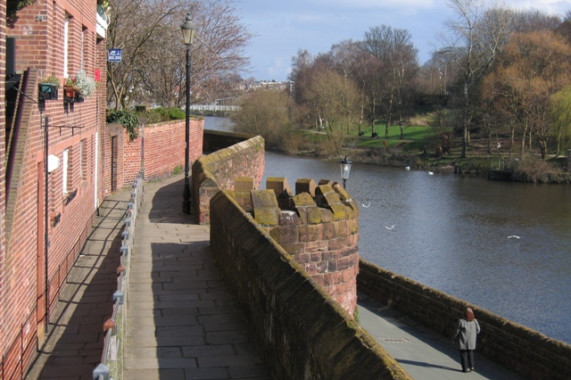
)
(214, 107)
(113, 327)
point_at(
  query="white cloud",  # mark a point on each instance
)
(554, 7)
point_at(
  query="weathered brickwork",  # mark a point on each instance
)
(528, 352)
(318, 227)
(302, 333)
(72, 188)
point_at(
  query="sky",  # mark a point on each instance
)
(281, 28)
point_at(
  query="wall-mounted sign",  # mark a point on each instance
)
(114, 55)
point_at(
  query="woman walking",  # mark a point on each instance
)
(466, 333)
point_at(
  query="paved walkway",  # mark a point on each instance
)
(75, 341)
(422, 353)
(182, 322)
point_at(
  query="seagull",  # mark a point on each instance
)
(366, 205)
(390, 228)
(513, 237)
(430, 173)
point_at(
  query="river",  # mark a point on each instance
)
(503, 246)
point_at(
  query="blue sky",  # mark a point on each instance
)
(281, 28)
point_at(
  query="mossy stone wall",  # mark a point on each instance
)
(219, 170)
(301, 332)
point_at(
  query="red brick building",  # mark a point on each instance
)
(55, 160)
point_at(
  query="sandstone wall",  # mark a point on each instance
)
(219, 170)
(528, 352)
(299, 330)
(318, 227)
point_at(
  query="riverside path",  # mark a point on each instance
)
(182, 322)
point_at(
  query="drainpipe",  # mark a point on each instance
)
(46, 225)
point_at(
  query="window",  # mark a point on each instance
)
(83, 159)
(83, 52)
(66, 46)
(64, 168)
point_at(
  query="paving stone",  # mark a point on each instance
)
(179, 310)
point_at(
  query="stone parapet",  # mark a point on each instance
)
(318, 226)
(300, 331)
(220, 171)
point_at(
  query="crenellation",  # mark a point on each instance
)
(317, 226)
(305, 185)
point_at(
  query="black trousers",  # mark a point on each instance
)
(467, 359)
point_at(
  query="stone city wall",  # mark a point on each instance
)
(318, 227)
(219, 170)
(516, 347)
(301, 332)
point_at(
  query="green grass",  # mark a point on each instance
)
(412, 134)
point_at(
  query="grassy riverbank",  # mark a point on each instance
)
(423, 147)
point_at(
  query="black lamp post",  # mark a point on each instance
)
(188, 32)
(345, 166)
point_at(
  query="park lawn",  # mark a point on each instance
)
(412, 134)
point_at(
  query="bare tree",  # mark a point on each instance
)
(336, 100)
(398, 63)
(479, 36)
(267, 113)
(153, 66)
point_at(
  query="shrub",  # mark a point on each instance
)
(128, 119)
(539, 171)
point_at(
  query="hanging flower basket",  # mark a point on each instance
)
(69, 94)
(48, 91)
(82, 87)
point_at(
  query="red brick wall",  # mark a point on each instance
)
(164, 149)
(39, 50)
(2, 171)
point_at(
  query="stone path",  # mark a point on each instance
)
(75, 341)
(182, 322)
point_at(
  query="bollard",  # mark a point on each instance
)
(101, 372)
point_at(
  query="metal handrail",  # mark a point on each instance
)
(113, 329)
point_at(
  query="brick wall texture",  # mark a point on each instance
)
(161, 147)
(73, 131)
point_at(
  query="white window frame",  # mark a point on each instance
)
(64, 167)
(66, 46)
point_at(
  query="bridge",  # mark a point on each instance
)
(213, 108)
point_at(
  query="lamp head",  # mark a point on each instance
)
(345, 168)
(188, 30)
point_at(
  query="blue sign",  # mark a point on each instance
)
(114, 55)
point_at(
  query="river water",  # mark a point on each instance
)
(502, 246)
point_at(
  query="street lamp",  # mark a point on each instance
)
(345, 166)
(188, 32)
